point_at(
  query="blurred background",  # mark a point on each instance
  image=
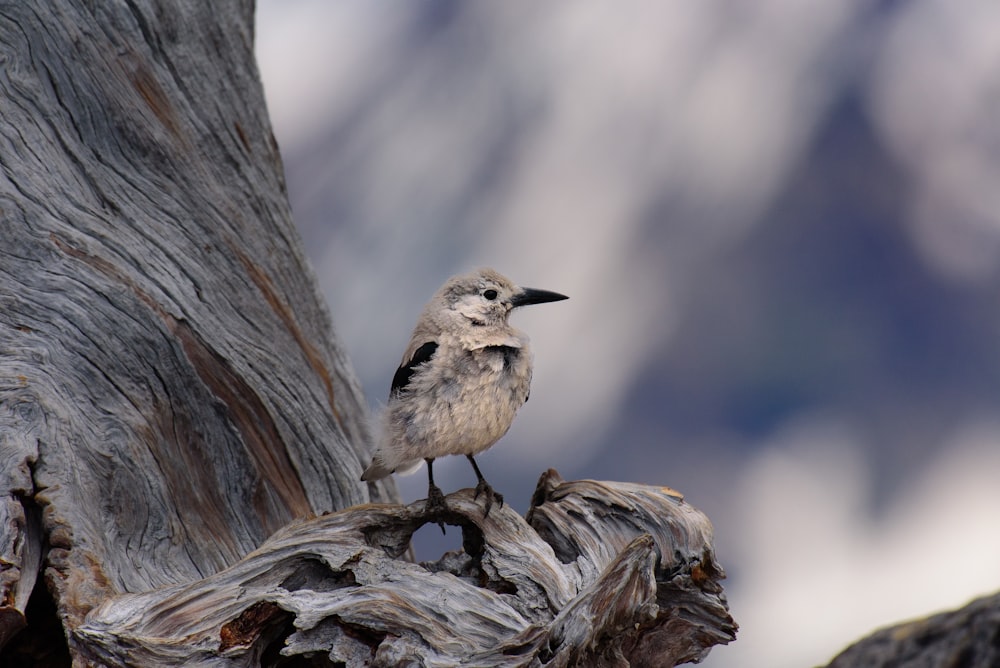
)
(779, 225)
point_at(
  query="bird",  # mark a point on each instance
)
(462, 379)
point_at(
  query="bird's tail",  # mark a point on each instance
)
(375, 471)
(378, 469)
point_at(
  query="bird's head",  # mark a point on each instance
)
(485, 297)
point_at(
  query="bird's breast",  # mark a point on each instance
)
(463, 401)
(494, 377)
(501, 359)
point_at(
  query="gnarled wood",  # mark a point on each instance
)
(171, 392)
(601, 574)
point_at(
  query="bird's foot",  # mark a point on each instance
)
(436, 505)
(484, 488)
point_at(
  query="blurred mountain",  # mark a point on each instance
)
(826, 307)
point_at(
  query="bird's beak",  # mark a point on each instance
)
(528, 296)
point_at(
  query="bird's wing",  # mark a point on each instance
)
(402, 377)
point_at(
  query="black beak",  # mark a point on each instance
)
(528, 296)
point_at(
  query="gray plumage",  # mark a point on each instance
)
(463, 376)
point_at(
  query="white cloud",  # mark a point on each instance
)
(818, 570)
(934, 94)
(316, 56)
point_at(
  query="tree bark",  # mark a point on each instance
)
(172, 394)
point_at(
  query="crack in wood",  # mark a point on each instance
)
(287, 317)
(246, 410)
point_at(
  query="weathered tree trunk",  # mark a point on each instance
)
(171, 395)
(170, 389)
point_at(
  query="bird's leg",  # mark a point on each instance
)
(484, 487)
(435, 499)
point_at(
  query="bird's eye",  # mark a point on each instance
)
(490, 294)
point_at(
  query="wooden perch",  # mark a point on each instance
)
(600, 574)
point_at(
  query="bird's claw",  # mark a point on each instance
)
(436, 506)
(484, 488)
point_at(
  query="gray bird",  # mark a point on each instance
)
(463, 376)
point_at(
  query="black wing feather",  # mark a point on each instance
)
(402, 377)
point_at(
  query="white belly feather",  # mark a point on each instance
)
(460, 402)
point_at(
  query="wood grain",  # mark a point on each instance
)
(340, 587)
(171, 392)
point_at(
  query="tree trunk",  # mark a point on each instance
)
(172, 394)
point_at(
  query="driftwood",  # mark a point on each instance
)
(172, 394)
(601, 574)
(968, 637)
